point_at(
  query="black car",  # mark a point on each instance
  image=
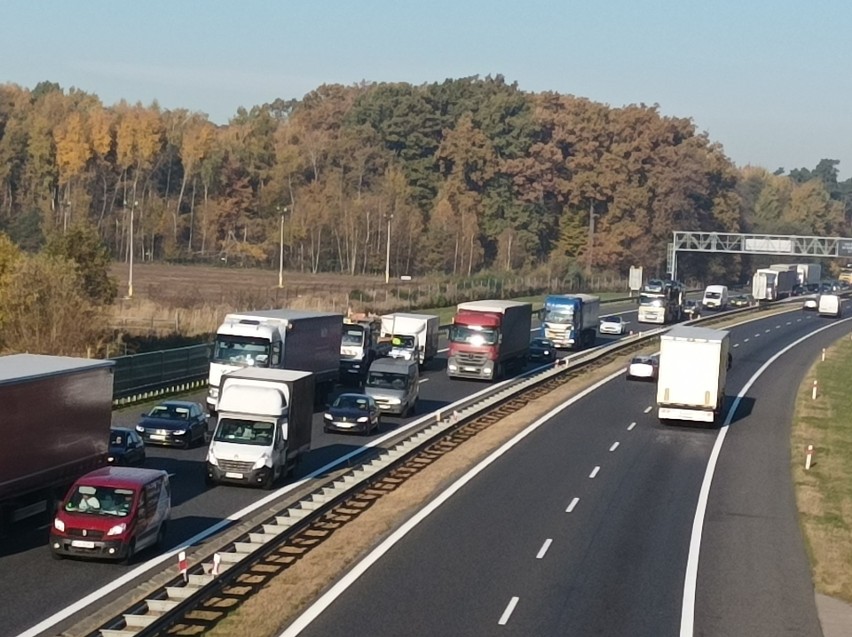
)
(691, 309)
(352, 412)
(741, 300)
(126, 448)
(542, 350)
(177, 423)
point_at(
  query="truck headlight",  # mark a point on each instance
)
(211, 459)
(118, 529)
(262, 461)
(213, 392)
(452, 367)
(59, 525)
(394, 401)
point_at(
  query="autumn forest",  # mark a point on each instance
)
(466, 175)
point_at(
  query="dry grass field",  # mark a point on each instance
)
(192, 299)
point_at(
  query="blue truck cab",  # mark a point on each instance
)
(570, 320)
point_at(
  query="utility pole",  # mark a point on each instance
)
(591, 235)
(387, 254)
(283, 211)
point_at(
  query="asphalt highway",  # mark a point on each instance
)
(584, 526)
(33, 586)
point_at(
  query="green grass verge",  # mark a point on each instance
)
(824, 493)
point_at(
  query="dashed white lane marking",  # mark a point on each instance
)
(745, 340)
(798, 320)
(736, 344)
(767, 331)
(423, 380)
(789, 322)
(504, 618)
(594, 472)
(648, 409)
(614, 446)
(777, 327)
(571, 506)
(757, 335)
(543, 550)
(630, 426)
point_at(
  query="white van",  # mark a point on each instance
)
(829, 305)
(715, 297)
(394, 384)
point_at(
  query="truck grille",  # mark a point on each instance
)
(86, 533)
(471, 358)
(235, 466)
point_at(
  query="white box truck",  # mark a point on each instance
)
(829, 305)
(694, 363)
(278, 339)
(411, 335)
(264, 426)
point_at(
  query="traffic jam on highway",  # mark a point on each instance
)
(289, 391)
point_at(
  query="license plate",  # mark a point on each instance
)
(235, 476)
(158, 437)
(82, 544)
(470, 369)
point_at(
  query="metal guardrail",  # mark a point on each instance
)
(163, 607)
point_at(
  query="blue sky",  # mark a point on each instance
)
(770, 81)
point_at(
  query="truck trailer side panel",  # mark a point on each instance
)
(56, 415)
(313, 345)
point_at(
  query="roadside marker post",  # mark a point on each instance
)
(809, 454)
(823, 354)
(182, 566)
(814, 391)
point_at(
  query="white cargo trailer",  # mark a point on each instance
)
(693, 368)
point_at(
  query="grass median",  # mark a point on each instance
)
(824, 492)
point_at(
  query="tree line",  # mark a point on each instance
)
(455, 177)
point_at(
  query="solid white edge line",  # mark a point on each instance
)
(687, 616)
(594, 471)
(315, 609)
(571, 506)
(510, 608)
(543, 550)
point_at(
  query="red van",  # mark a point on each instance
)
(112, 513)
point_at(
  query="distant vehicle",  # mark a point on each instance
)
(570, 320)
(661, 302)
(611, 325)
(846, 273)
(798, 290)
(113, 513)
(394, 383)
(412, 336)
(692, 309)
(175, 423)
(126, 448)
(542, 350)
(715, 297)
(742, 300)
(352, 412)
(812, 288)
(810, 303)
(829, 305)
(643, 367)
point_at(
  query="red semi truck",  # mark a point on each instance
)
(489, 338)
(55, 422)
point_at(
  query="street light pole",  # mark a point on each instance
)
(130, 252)
(387, 254)
(281, 249)
(591, 235)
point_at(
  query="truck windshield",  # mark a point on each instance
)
(712, 295)
(244, 432)
(560, 315)
(653, 300)
(403, 341)
(353, 337)
(241, 350)
(387, 380)
(463, 334)
(100, 501)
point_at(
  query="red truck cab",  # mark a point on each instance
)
(474, 341)
(112, 513)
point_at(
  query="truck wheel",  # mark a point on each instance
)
(161, 536)
(268, 482)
